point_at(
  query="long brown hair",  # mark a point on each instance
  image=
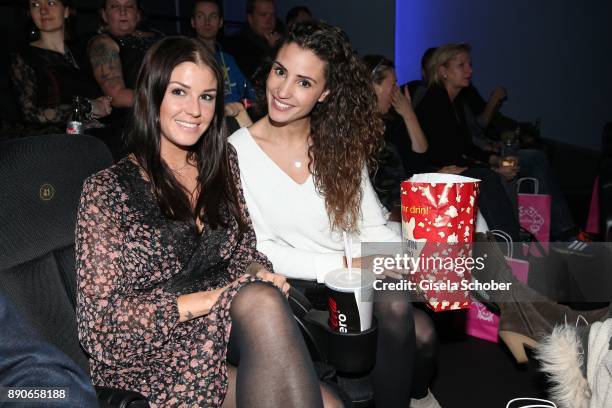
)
(345, 128)
(216, 186)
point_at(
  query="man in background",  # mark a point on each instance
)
(207, 20)
(259, 38)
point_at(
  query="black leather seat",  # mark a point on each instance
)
(41, 178)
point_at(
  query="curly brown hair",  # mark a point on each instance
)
(346, 129)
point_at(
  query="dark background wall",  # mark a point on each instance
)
(369, 24)
(554, 57)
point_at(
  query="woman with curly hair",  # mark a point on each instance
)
(304, 170)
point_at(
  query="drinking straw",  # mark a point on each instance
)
(348, 252)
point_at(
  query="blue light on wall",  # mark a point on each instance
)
(552, 56)
(410, 37)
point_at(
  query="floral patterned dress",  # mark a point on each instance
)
(132, 264)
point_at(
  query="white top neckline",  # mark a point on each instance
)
(268, 158)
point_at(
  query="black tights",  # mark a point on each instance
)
(407, 344)
(275, 369)
(426, 354)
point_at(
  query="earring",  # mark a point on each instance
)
(445, 76)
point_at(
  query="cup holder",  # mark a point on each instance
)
(349, 353)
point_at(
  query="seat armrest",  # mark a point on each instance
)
(116, 398)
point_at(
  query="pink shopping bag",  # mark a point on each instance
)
(534, 211)
(482, 323)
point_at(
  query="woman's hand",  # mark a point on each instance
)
(259, 271)
(368, 261)
(101, 107)
(509, 172)
(238, 111)
(452, 169)
(506, 166)
(193, 305)
(233, 108)
(273, 38)
(401, 101)
(277, 280)
(498, 95)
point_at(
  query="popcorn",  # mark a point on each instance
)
(438, 212)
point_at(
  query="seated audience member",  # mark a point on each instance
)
(116, 55)
(28, 361)
(532, 162)
(259, 38)
(418, 87)
(297, 14)
(479, 115)
(403, 135)
(450, 142)
(484, 111)
(304, 170)
(207, 20)
(167, 269)
(46, 74)
(117, 52)
(442, 115)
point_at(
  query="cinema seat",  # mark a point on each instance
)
(41, 178)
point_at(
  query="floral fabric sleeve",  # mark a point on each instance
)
(25, 85)
(247, 252)
(116, 323)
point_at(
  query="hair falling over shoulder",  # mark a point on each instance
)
(346, 128)
(212, 153)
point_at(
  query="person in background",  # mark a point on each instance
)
(297, 14)
(207, 20)
(26, 360)
(259, 38)
(167, 270)
(450, 143)
(402, 130)
(46, 74)
(418, 87)
(305, 173)
(117, 52)
(442, 114)
(115, 56)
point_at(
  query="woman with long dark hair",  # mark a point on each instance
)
(167, 267)
(304, 169)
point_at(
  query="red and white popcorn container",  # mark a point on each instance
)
(438, 220)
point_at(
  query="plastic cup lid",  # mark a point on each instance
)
(340, 280)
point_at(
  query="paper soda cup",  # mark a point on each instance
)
(349, 300)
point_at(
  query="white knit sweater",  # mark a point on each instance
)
(290, 220)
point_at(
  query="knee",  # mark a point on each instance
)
(257, 298)
(425, 333)
(394, 313)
